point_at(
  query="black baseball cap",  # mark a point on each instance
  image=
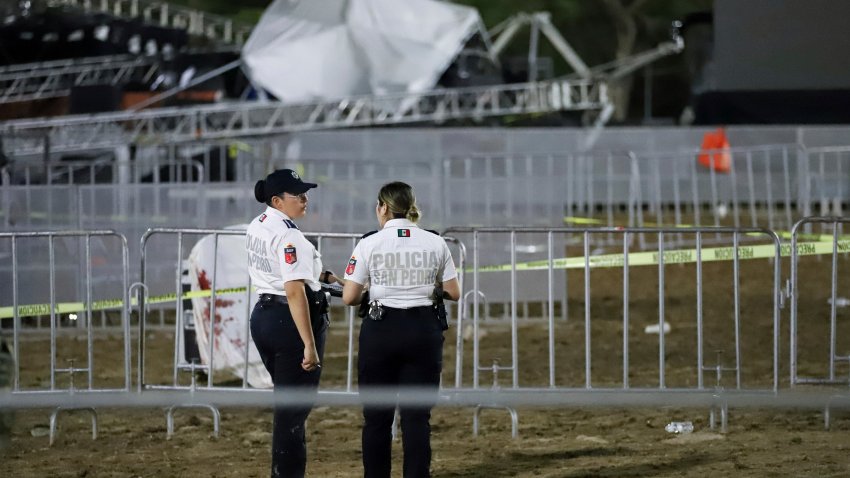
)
(286, 181)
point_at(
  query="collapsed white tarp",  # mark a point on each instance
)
(311, 50)
(231, 311)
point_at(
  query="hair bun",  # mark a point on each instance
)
(413, 214)
(260, 191)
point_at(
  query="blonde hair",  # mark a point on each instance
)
(400, 201)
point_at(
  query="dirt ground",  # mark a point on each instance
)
(556, 442)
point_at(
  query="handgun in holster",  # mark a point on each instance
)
(440, 307)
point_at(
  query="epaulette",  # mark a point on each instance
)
(433, 231)
(290, 224)
(364, 236)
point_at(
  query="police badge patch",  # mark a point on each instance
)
(352, 263)
(289, 255)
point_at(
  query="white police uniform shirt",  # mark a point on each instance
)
(401, 263)
(278, 253)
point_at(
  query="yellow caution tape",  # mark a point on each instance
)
(33, 310)
(677, 256)
(781, 234)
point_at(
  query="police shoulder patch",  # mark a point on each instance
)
(352, 263)
(289, 254)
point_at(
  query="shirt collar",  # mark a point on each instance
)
(270, 211)
(400, 222)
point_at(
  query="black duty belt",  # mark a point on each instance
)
(277, 299)
(409, 309)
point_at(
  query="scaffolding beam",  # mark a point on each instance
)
(195, 22)
(37, 81)
(229, 120)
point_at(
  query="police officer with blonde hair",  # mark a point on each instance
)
(401, 339)
(289, 321)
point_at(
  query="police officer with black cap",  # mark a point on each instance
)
(401, 337)
(289, 322)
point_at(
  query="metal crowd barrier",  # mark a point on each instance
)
(177, 296)
(757, 188)
(586, 261)
(63, 301)
(824, 188)
(755, 368)
(834, 245)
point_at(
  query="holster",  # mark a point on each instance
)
(317, 302)
(363, 310)
(440, 308)
(442, 316)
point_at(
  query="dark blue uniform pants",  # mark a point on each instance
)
(282, 351)
(405, 348)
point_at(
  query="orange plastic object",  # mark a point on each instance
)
(715, 153)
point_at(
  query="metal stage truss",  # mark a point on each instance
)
(37, 81)
(195, 22)
(169, 125)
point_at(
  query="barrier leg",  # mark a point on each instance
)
(512, 412)
(55, 415)
(169, 418)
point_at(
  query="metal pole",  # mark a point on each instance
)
(141, 302)
(777, 271)
(551, 295)
(89, 334)
(587, 356)
(211, 335)
(787, 185)
(125, 312)
(349, 380)
(52, 256)
(461, 310)
(475, 310)
(661, 345)
(248, 337)
(178, 319)
(736, 265)
(700, 358)
(733, 179)
(16, 325)
(793, 293)
(532, 51)
(833, 306)
(514, 341)
(626, 309)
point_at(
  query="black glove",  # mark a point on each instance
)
(363, 311)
